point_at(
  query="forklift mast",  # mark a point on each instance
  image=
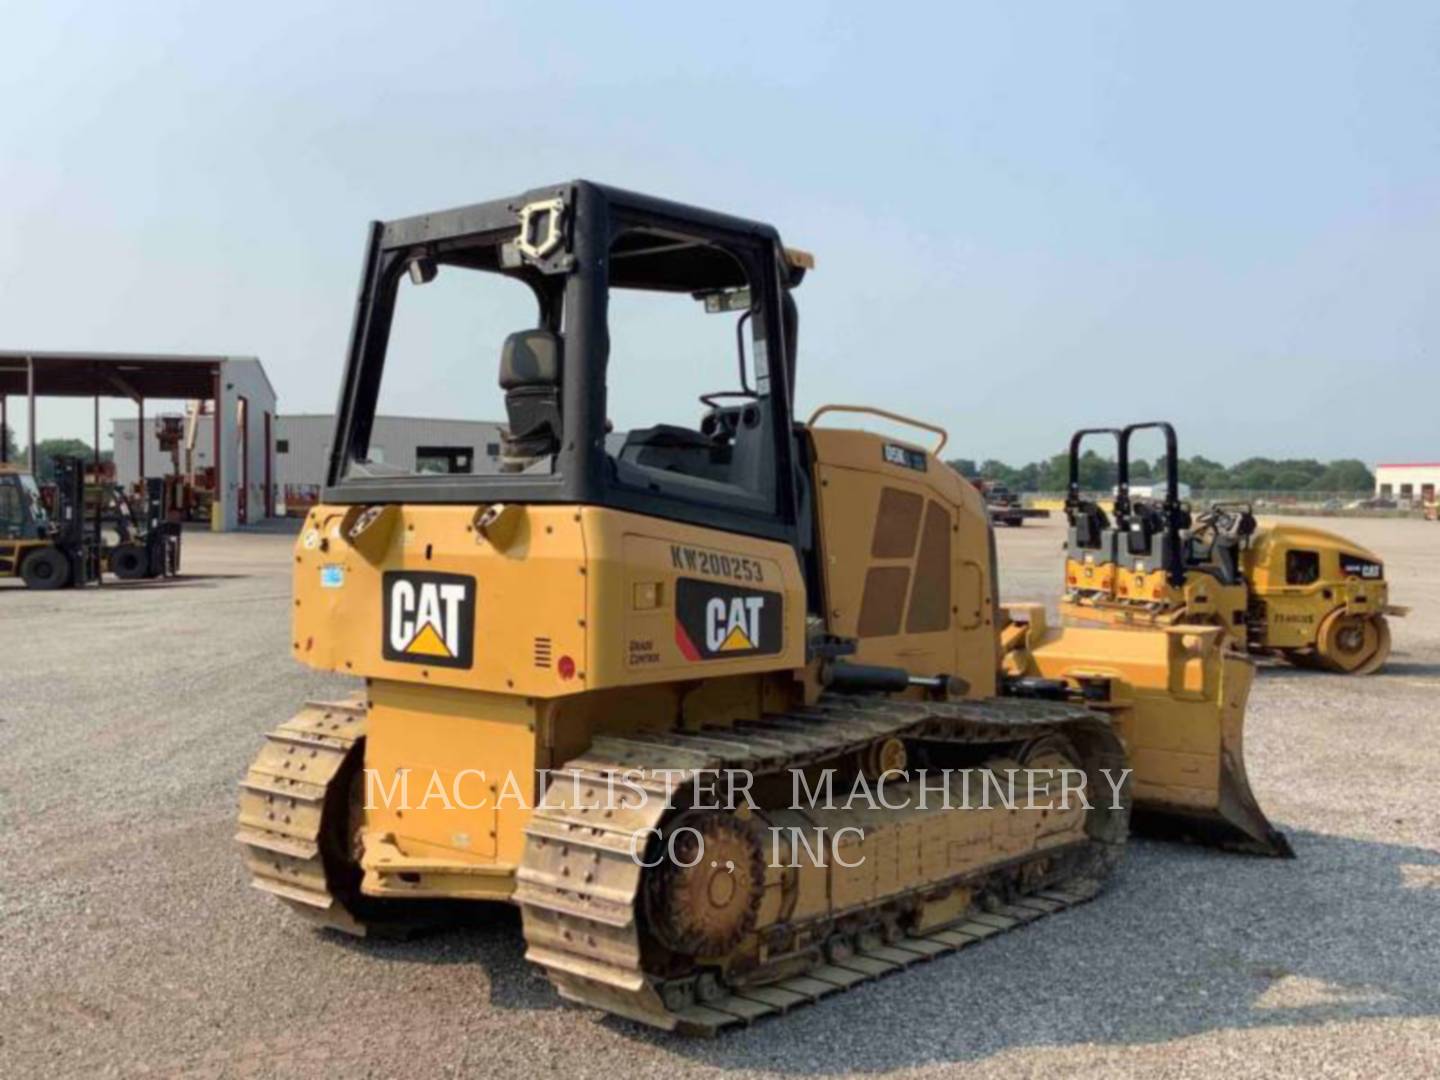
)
(69, 509)
(162, 535)
(68, 520)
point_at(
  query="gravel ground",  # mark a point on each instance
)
(131, 944)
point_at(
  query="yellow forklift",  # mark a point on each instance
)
(46, 549)
(139, 538)
(89, 529)
(1304, 594)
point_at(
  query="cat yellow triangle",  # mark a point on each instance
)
(736, 639)
(428, 643)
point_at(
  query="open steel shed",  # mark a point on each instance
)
(238, 392)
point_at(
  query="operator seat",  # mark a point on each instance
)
(530, 367)
(1226, 547)
(1145, 524)
(1088, 525)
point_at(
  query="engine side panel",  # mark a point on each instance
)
(906, 551)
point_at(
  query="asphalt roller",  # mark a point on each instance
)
(1304, 595)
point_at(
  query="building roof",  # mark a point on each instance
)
(125, 375)
(1409, 465)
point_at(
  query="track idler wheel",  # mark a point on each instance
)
(884, 756)
(1056, 760)
(705, 893)
(1353, 644)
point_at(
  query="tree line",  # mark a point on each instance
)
(46, 450)
(1253, 474)
(1096, 473)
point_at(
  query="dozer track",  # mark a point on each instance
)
(283, 803)
(590, 909)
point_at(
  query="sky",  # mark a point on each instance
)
(1027, 217)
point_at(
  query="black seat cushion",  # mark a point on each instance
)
(530, 365)
(530, 358)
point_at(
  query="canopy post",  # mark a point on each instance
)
(99, 496)
(30, 416)
(217, 497)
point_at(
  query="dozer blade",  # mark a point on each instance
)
(1177, 695)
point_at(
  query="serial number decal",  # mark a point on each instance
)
(700, 561)
(1284, 617)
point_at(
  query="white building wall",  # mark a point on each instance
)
(302, 449)
(303, 446)
(126, 443)
(1412, 483)
(242, 478)
(243, 452)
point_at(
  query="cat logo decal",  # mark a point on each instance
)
(429, 618)
(723, 622)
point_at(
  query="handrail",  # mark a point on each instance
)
(1172, 456)
(1176, 520)
(896, 417)
(1072, 490)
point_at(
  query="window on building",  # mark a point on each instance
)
(1427, 493)
(282, 446)
(1387, 491)
(1407, 491)
(446, 460)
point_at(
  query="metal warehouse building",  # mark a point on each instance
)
(235, 387)
(302, 450)
(412, 443)
(1413, 483)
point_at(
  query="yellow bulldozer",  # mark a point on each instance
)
(1302, 594)
(721, 707)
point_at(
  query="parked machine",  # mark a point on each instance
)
(46, 549)
(751, 596)
(1005, 507)
(88, 529)
(147, 539)
(1304, 594)
(189, 489)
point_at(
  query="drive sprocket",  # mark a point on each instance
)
(705, 892)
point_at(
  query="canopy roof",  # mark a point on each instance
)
(123, 375)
